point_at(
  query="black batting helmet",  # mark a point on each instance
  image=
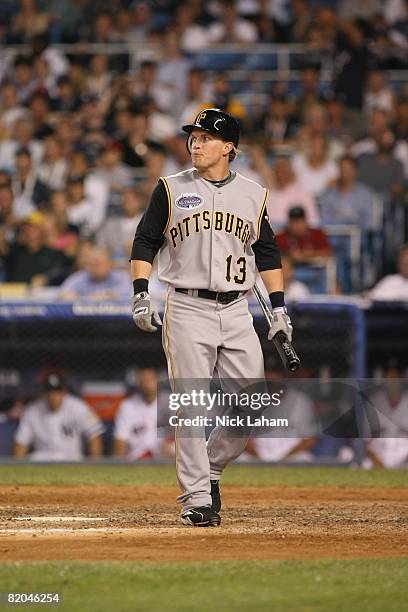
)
(216, 122)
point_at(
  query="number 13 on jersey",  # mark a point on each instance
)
(238, 278)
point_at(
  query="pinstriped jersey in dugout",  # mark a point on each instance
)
(210, 231)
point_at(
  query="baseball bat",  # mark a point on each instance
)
(282, 344)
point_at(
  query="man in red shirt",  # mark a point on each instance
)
(301, 242)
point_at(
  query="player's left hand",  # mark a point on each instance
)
(281, 322)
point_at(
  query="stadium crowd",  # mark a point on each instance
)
(85, 132)
(92, 99)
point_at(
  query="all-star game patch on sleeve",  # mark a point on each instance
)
(266, 249)
(149, 235)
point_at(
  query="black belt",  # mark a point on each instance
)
(221, 297)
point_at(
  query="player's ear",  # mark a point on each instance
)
(228, 147)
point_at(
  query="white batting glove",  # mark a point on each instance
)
(281, 322)
(144, 312)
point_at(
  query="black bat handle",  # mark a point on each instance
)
(286, 351)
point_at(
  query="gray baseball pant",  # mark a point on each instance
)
(199, 337)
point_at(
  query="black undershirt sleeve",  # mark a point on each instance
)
(266, 249)
(149, 233)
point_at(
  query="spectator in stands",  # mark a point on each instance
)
(53, 167)
(135, 433)
(29, 260)
(339, 125)
(155, 158)
(112, 170)
(8, 220)
(45, 83)
(122, 25)
(381, 171)
(28, 21)
(301, 20)
(55, 426)
(310, 93)
(102, 30)
(378, 94)
(66, 99)
(172, 73)
(40, 114)
(326, 24)
(60, 234)
(21, 138)
(352, 56)
(276, 126)
(349, 201)
(198, 96)
(10, 108)
(57, 63)
(313, 169)
(316, 124)
(379, 123)
(394, 286)
(224, 99)
(147, 86)
(136, 139)
(68, 132)
(117, 232)
(98, 281)
(80, 210)
(191, 31)
(142, 20)
(28, 190)
(231, 28)
(95, 187)
(23, 78)
(99, 78)
(294, 289)
(288, 193)
(390, 446)
(302, 242)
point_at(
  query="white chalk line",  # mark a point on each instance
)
(59, 519)
(44, 531)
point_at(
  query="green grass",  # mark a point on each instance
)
(278, 586)
(165, 475)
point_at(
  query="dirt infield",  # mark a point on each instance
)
(141, 524)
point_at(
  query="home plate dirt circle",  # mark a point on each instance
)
(103, 522)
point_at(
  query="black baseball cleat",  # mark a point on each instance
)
(203, 516)
(215, 495)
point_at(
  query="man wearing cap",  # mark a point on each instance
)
(209, 226)
(302, 242)
(55, 426)
(30, 260)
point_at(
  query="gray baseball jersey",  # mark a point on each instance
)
(210, 231)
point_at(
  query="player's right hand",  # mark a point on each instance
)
(145, 312)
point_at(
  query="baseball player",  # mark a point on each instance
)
(56, 424)
(209, 226)
(135, 434)
(390, 448)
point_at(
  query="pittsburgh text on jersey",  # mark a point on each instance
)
(228, 222)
